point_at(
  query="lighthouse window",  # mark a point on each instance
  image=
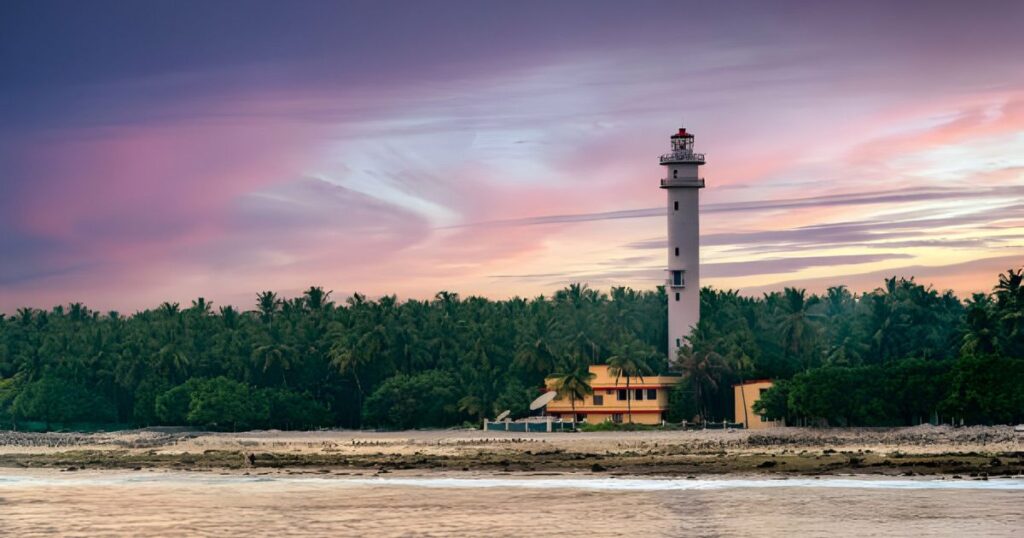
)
(676, 206)
(677, 278)
(675, 174)
(677, 251)
(677, 295)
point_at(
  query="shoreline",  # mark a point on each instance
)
(47, 477)
(974, 452)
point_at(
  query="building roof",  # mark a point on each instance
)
(754, 382)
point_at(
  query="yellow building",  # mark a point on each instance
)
(745, 395)
(648, 399)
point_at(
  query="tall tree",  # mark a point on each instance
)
(574, 385)
(629, 362)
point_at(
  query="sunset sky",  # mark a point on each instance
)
(154, 151)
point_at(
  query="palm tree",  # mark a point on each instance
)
(168, 309)
(798, 330)
(473, 405)
(316, 298)
(350, 357)
(575, 384)
(1009, 295)
(981, 330)
(268, 304)
(702, 365)
(172, 362)
(629, 362)
(536, 350)
(202, 307)
(272, 357)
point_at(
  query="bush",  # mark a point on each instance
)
(293, 410)
(55, 399)
(172, 406)
(774, 404)
(221, 403)
(987, 389)
(682, 403)
(609, 426)
(414, 401)
(516, 398)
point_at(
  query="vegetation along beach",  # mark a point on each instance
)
(901, 355)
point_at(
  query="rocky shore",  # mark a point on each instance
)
(978, 452)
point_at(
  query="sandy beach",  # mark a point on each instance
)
(922, 481)
(977, 452)
(47, 502)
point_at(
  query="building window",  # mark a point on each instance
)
(622, 395)
(652, 394)
(761, 392)
(677, 295)
(676, 205)
(677, 251)
(638, 395)
(598, 400)
(617, 418)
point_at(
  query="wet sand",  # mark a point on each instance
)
(120, 503)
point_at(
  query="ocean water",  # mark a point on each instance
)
(116, 503)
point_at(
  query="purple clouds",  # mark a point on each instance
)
(171, 150)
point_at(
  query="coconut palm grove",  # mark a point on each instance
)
(902, 354)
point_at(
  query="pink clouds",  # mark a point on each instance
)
(373, 170)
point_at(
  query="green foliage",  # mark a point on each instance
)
(574, 385)
(987, 389)
(8, 392)
(223, 404)
(774, 404)
(290, 410)
(905, 392)
(608, 426)
(307, 362)
(172, 407)
(842, 395)
(683, 403)
(428, 399)
(144, 406)
(515, 397)
(56, 400)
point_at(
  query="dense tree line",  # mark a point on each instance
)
(897, 355)
(307, 361)
(900, 355)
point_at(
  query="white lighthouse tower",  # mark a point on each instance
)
(683, 187)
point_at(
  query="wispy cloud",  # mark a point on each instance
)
(900, 196)
(434, 152)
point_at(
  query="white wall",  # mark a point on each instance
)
(684, 234)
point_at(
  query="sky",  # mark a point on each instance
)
(166, 150)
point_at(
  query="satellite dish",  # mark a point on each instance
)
(504, 414)
(543, 400)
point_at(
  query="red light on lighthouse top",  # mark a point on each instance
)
(682, 134)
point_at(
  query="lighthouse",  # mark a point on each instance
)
(682, 184)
